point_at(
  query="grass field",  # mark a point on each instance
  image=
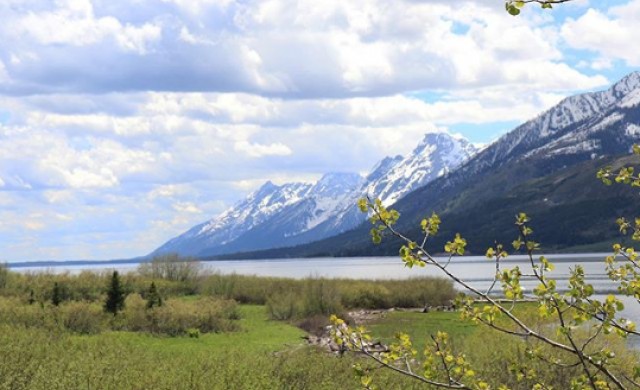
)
(257, 334)
(219, 332)
(265, 354)
(420, 326)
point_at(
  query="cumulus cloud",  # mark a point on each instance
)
(259, 150)
(186, 207)
(74, 23)
(122, 125)
(278, 48)
(607, 33)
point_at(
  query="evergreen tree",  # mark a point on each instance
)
(115, 295)
(153, 297)
(56, 294)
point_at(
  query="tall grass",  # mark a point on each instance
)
(35, 359)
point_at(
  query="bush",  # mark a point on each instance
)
(177, 317)
(219, 285)
(171, 267)
(4, 276)
(366, 295)
(83, 317)
(321, 296)
(283, 306)
(14, 312)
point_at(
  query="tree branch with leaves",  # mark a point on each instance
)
(514, 7)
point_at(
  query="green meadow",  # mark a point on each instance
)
(180, 328)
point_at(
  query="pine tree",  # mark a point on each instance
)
(56, 294)
(115, 295)
(153, 297)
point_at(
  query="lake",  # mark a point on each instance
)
(477, 270)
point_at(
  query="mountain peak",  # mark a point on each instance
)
(440, 138)
(445, 143)
(267, 185)
(437, 154)
(267, 188)
(383, 167)
(336, 183)
(295, 213)
(430, 139)
(627, 84)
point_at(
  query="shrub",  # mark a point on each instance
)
(153, 297)
(365, 295)
(321, 296)
(283, 306)
(14, 312)
(4, 276)
(176, 317)
(83, 317)
(136, 317)
(171, 267)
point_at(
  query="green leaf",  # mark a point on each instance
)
(512, 9)
(363, 205)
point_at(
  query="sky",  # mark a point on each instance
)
(124, 123)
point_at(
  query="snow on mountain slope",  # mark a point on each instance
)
(565, 126)
(297, 213)
(259, 206)
(549, 150)
(390, 179)
(329, 194)
(393, 177)
(579, 127)
(436, 155)
(606, 131)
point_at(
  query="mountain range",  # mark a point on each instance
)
(297, 213)
(545, 166)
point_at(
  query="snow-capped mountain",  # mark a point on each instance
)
(303, 205)
(394, 177)
(580, 128)
(435, 156)
(258, 207)
(297, 213)
(573, 127)
(545, 167)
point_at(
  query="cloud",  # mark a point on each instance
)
(4, 76)
(258, 150)
(186, 207)
(74, 23)
(606, 33)
(121, 126)
(276, 48)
